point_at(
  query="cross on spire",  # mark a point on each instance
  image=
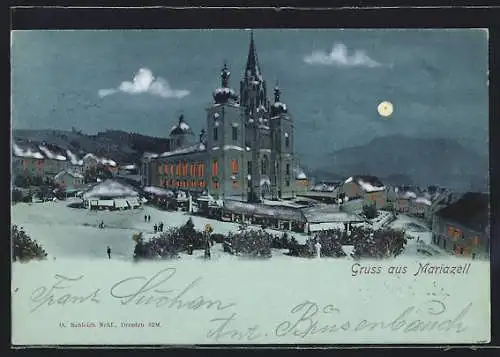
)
(277, 92)
(225, 75)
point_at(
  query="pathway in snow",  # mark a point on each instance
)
(422, 236)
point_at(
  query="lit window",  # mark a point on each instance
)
(215, 168)
(234, 166)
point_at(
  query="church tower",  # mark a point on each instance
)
(255, 107)
(225, 139)
(282, 146)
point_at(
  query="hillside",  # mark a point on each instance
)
(397, 159)
(118, 145)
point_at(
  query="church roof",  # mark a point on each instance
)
(181, 128)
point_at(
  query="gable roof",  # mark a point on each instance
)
(367, 183)
(471, 211)
(67, 172)
(110, 188)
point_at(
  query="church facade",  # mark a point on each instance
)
(245, 153)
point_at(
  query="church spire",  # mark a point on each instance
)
(252, 67)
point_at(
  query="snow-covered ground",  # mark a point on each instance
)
(421, 237)
(269, 293)
(73, 232)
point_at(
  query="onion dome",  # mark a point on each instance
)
(181, 128)
(224, 94)
(278, 107)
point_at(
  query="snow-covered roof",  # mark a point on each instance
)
(67, 172)
(367, 183)
(110, 188)
(51, 155)
(280, 105)
(407, 194)
(324, 187)
(300, 174)
(73, 158)
(233, 147)
(159, 191)
(102, 160)
(423, 200)
(149, 155)
(224, 91)
(315, 227)
(130, 167)
(26, 152)
(185, 150)
(278, 212)
(181, 128)
(223, 94)
(329, 213)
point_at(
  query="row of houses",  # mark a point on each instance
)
(359, 190)
(47, 160)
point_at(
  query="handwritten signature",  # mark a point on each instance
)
(305, 319)
(310, 318)
(137, 290)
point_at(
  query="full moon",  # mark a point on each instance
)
(385, 109)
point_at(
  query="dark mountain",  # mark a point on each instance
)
(118, 145)
(400, 159)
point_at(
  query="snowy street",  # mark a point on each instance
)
(73, 232)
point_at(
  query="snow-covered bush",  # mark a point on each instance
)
(217, 237)
(281, 242)
(382, 243)
(169, 243)
(252, 243)
(331, 244)
(296, 249)
(23, 247)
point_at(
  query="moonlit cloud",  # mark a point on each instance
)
(145, 82)
(339, 56)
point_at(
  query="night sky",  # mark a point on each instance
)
(332, 81)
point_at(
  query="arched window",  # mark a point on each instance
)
(264, 165)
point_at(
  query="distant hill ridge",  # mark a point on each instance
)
(397, 158)
(117, 145)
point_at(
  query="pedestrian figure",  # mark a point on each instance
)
(161, 226)
(155, 228)
(145, 218)
(149, 218)
(207, 250)
(109, 252)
